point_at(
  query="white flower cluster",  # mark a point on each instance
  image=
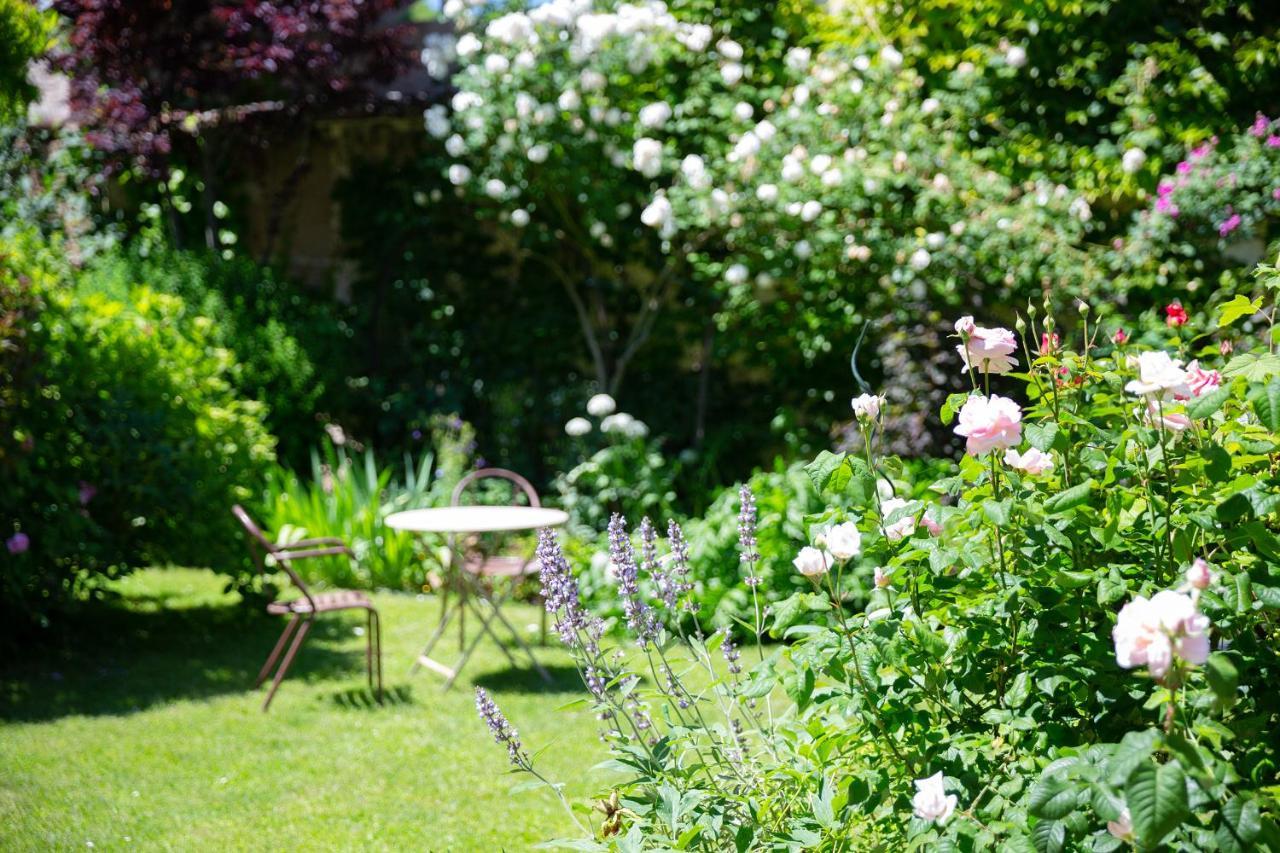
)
(612, 422)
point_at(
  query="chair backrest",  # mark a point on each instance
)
(520, 485)
(259, 544)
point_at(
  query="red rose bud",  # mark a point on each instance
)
(1175, 315)
(1049, 343)
(1226, 347)
(1120, 338)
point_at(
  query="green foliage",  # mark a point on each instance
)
(288, 345)
(982, 691)
(122, 439)
(24, 35)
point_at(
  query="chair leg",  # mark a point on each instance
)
(377, 633)
(275, 653)
(287, 662)
(368, 647)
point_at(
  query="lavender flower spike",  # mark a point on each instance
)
(640, 617)
(747, 532)
(678, 578)
(560, 591)
(503, 733)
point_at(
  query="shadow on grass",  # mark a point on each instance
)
(525, 679)
(123, 657)
(360, 699)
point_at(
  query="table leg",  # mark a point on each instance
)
(446, 614)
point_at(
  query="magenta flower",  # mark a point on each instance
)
(18, 543)
(1261, 125)
(1229, 224)
(87, 492)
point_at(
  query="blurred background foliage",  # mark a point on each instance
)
(153, 349)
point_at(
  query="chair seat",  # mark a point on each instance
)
(338, 599)
(503, 567)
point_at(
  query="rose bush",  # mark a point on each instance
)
(1078, 655)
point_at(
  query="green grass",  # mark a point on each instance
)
(142, 729)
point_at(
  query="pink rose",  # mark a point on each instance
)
(1168, 415)
(1152, 632)
(1199, 576)
(882, 578)
(987, 350)
(1032, 462)
(989, 423)
(1201, 382)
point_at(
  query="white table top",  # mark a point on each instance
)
(476, 519)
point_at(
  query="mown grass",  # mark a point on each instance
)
(142, 729)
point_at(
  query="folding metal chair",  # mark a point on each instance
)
(302, 611)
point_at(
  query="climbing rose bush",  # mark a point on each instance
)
(1069, 642)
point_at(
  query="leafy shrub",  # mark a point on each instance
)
(122, 440)
(24, 35)
(1068, 642)
(287, 344)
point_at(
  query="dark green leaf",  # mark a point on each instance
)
(1052, 798)
(1266, 404)
(1203, 407)
(1157, 798)
(1069, 498)
(1240, 826)
(1222, 676)
(1042, 435)
(1049, 836)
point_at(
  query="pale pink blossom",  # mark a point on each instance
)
(932, 802)
(1033, 462)
(1200, 381)
(843, 541)
(811, 562)
(1122, 826)
(988, 350)
(882, 578)
(1199, 576)
(989, 423)
(1169, 415)
(1152, 632)
(903, 527)
(867, 406)
(931, 524)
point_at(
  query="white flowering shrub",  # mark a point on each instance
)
(571, 120)
(1070, 643)
(651, 159)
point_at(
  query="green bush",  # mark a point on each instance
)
(122, 438)
(288, 345)
(24, 35)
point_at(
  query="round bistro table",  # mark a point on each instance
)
(472, 594)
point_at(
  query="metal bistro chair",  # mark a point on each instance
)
(470, 568)
(499, 566)
(303, 610)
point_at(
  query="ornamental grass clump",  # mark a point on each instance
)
(1069, 641)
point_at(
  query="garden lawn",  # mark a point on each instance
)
(144, 730)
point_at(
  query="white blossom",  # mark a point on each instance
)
(655, 114)
(646, 157)
(890, 56)
(731, 73)
(1133, 160)
(743, 111)
(569, 100)
(459, 174)
(767, 193)
(437, 121)
(729, 49)
(1016, 56)
(455, 145)
(538, 153)
(468, 45)
(736, 274)
(520, 217)
(600, 405)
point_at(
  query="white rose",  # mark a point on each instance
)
(646, 156)
(811, 210)
(811, 562)
(538, 153)
(437, 121)
(792, 170)
(577, 427)
(569, 100)
(591, 80)
(890, 56)
(520, 217)
(468, 45)
(601, 405)
(843, 541)
(867, 406)
(729, 49)
(743, 111)
(929, 106)
(765, 130)
(496, 63)
(654, 115)
(1033, 462)
(1133, 160)
(1016, 56)
(920, 259)
(767, 193)
(932, 802)
(459, 174)
(736, 274)
(803, 250)
(658, 214)
(695, 171)
(455, 145)
(731, 73)
(1159, 376)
